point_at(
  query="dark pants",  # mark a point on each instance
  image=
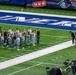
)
(20, 40)
(7, 41)
(73, 70)
(5, 38)
(13, 41)
(73, 38)
(38, 39)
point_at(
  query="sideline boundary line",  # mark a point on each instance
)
(40, 14)
(34, 55)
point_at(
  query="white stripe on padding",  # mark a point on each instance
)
(30, 13)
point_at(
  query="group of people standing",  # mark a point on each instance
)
(19, 38)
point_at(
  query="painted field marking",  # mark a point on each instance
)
(47, 63)
(39, 20)
(54, 36)
(39, 63)
(6, 11)
(25, 69)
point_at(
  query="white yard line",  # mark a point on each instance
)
(34, 55)
(25, 69)
(47, 63)
(40, 14)
(54, 36)
(39, 63)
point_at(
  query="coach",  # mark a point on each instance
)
(73, 36)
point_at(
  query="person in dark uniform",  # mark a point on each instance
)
(38, 35)
(73, 36)
(1, 30)
(55, 71)
(5, 36)
(25, 3)
(73, 66)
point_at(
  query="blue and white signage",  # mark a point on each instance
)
(62, 4)
(38, 20)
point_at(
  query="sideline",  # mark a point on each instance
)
(34, 55)
(40, 14)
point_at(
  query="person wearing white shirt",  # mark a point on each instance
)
(2, 41)
(17, 32)
(9, 31)
(30, 32)
(18, 42)
(9, 40)
(23, 41)
(33, 38)
(0, 34)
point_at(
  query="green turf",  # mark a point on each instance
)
(39, 10)
(37, 66)
(49, 37)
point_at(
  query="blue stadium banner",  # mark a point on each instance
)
(5, 0)
(12, 2)
(62, 4)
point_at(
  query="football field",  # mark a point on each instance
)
(37, 66)
(48, 38)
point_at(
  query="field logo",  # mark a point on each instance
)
(44, 21)
(64, 23)
(20, 19)
(23, 19)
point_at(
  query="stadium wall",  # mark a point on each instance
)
(12, 2)
(62, 4)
